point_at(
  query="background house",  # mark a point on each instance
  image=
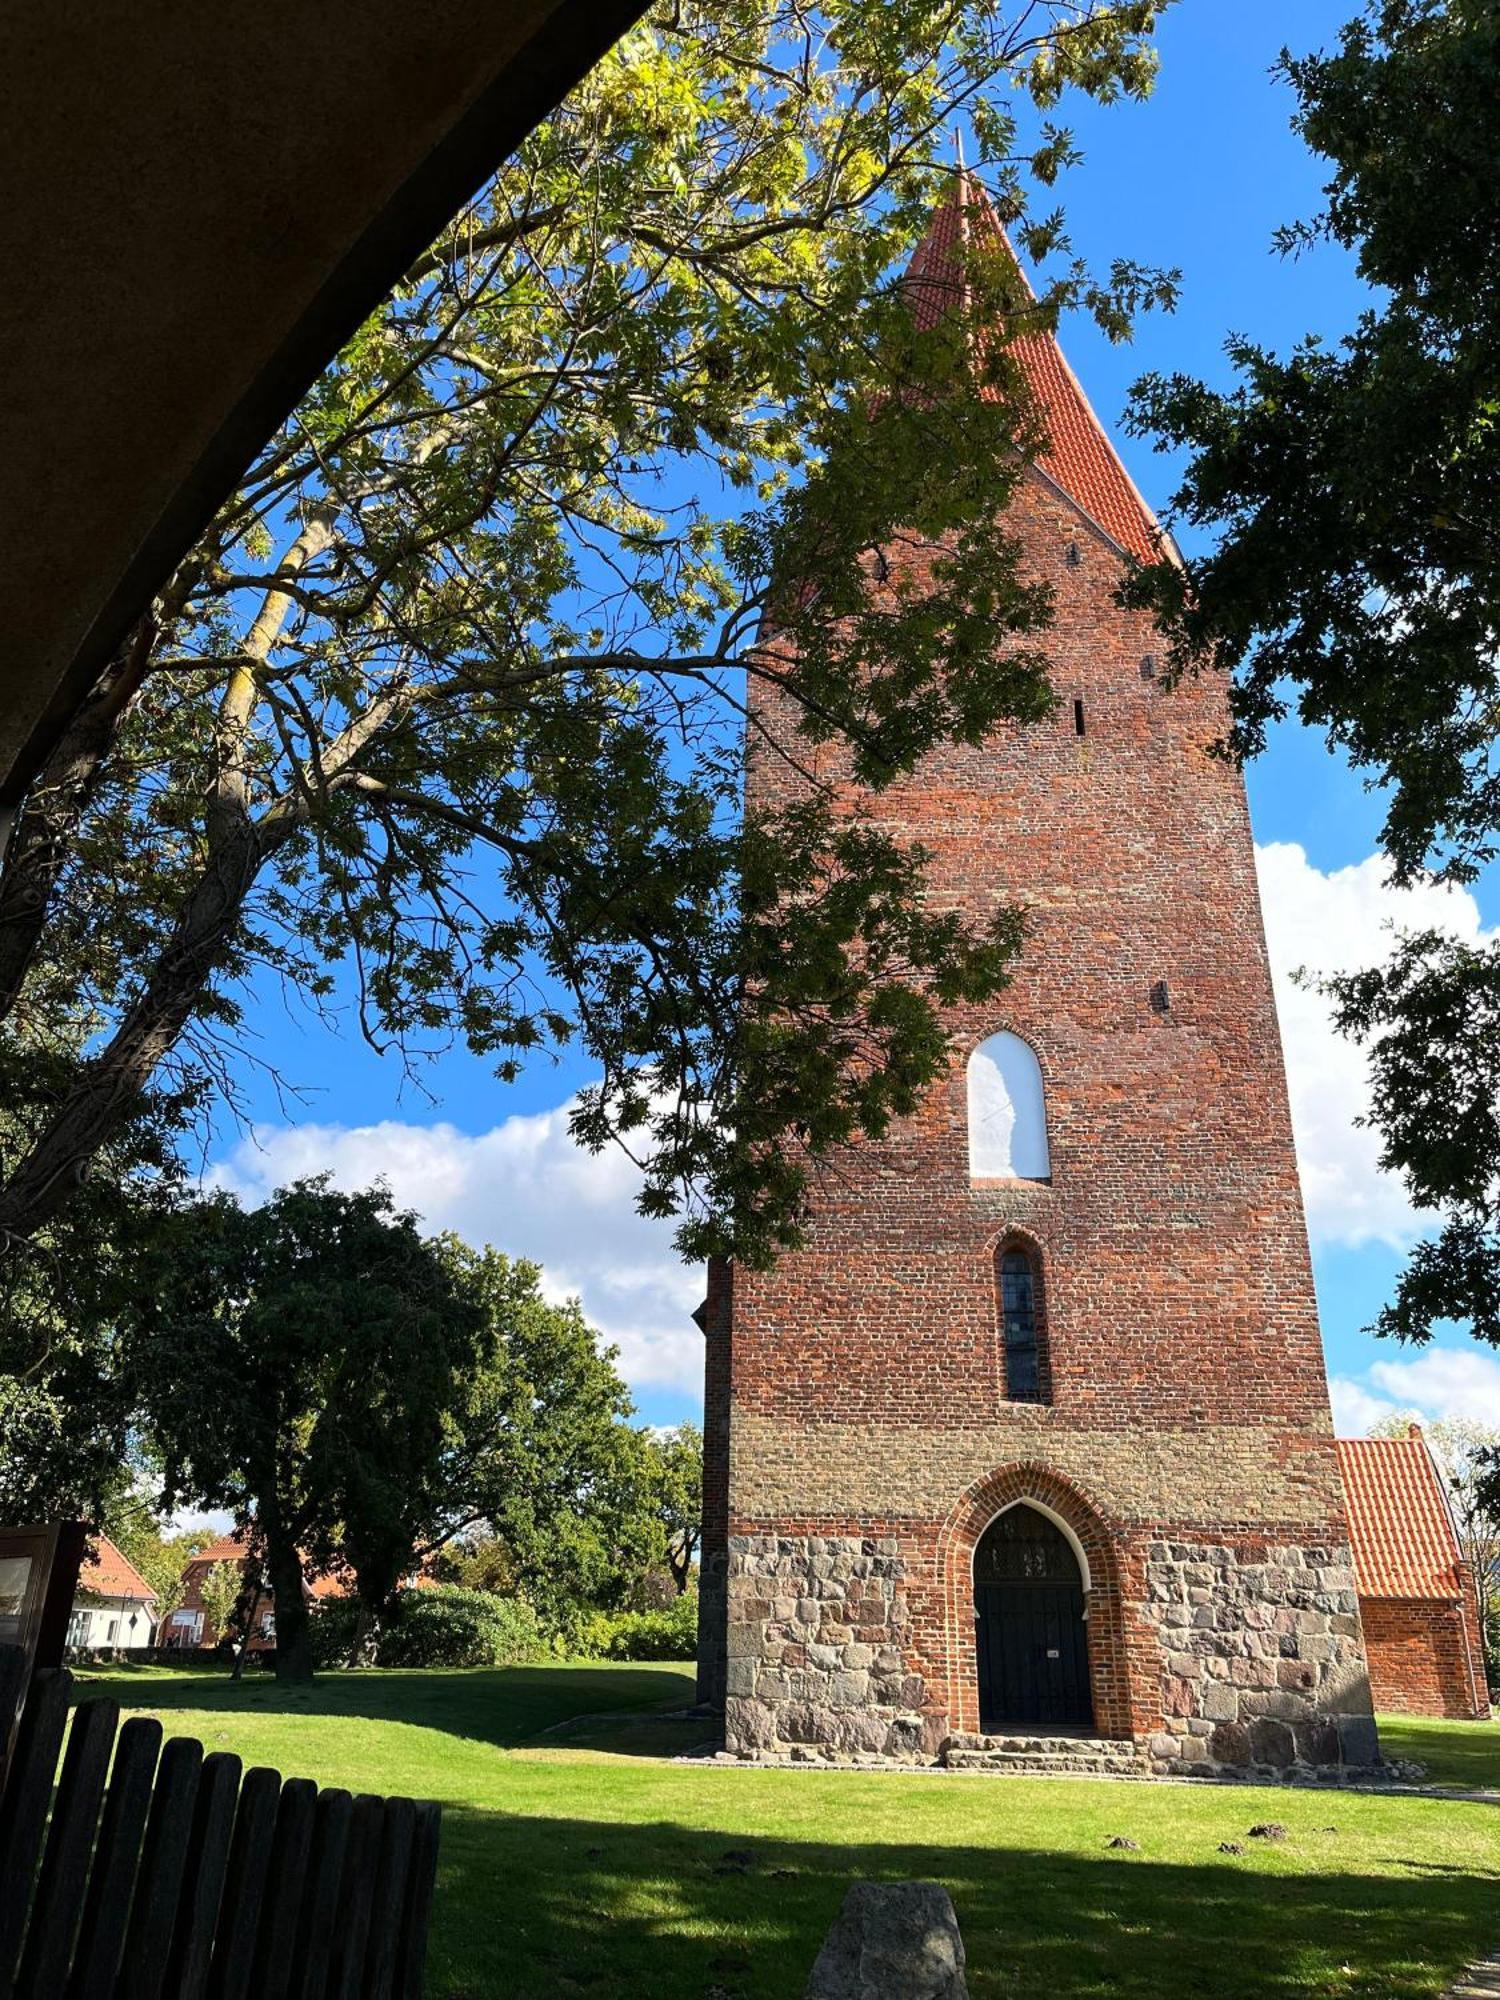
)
(193, 1623)
(1416, 1593)
(114, 1604)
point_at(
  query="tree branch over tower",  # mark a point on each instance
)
(446, 709)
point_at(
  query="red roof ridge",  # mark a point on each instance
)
(1080, 460)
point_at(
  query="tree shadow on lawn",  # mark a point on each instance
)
(1455, 1753)
(503, 1706)
(530, 1909)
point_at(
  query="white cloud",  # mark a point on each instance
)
(1444, 1382)
(192, 1520)
(1339, 922)
(1355, 1411)
(525, 1187)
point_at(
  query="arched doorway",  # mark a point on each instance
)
(1029, 1625)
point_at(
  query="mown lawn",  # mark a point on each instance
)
(584, 1863)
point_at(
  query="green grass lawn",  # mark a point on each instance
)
(582, 1862)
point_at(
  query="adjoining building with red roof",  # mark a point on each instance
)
(192, 1624)
(1417, 1596)
(114, 1604)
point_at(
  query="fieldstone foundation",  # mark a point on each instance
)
(1263, 1661)
(1254, 1657)
(819, 1640)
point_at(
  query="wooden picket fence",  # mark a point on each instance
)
(144, 1870)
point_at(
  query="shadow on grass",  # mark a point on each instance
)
(504, 1706)
(1455, 1753)
(535, 1908)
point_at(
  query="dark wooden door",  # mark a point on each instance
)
(1029, 1626)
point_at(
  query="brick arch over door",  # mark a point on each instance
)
(1110, 1662)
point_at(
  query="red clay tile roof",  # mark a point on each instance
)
(1080, 458)
(1399, 1523)
(108, 1573)
(227, 1549)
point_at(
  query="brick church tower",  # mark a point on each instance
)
(1032, 1439)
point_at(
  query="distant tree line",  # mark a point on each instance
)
(367, 1400)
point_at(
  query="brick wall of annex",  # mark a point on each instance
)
(1425, 1657)
(1188, 1395)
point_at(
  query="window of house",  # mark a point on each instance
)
(1020, 1324)
(1007, 1112)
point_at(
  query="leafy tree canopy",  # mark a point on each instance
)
(276, 1348)
(1353, 491)
(65, 1443)
(675, 1461)
(449, 700)
(361, 1396)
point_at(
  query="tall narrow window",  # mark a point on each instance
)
(1007, 1113)
(1018, 1326)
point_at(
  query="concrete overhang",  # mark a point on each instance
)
(203, 203)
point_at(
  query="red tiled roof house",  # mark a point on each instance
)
(1416, 1593)
(114, 1604)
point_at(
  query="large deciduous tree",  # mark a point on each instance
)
(447, 702)
(524, 1429)
(1353, 494)
(277, 1348)
(675, 1460)
(64, 1402)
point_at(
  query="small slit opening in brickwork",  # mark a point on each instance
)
(1078, 718)
(1018, 1298)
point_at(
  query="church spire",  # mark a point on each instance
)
(1079, 458)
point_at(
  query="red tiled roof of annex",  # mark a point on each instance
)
(1399, 1521)
(1080, 458)
(108, 1572)
(231, 1548)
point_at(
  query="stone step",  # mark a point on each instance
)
(1039, 1755)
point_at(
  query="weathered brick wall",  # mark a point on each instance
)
(1188, 1397)
(1424, 1657)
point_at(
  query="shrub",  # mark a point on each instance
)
(450, 1627)
(331, 1630)
(670, 1634)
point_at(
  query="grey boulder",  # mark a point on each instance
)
(892, 1941)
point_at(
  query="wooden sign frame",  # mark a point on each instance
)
(39, 1568)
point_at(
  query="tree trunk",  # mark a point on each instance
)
(238, 1670)
(111, 1083)
(54, 805)
(293, 1629)
(362, 1643)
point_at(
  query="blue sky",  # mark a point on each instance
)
(1198, 179)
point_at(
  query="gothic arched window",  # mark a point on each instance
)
(1018, 1283)
(1007, 1112)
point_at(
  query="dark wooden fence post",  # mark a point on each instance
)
(177, 1879)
